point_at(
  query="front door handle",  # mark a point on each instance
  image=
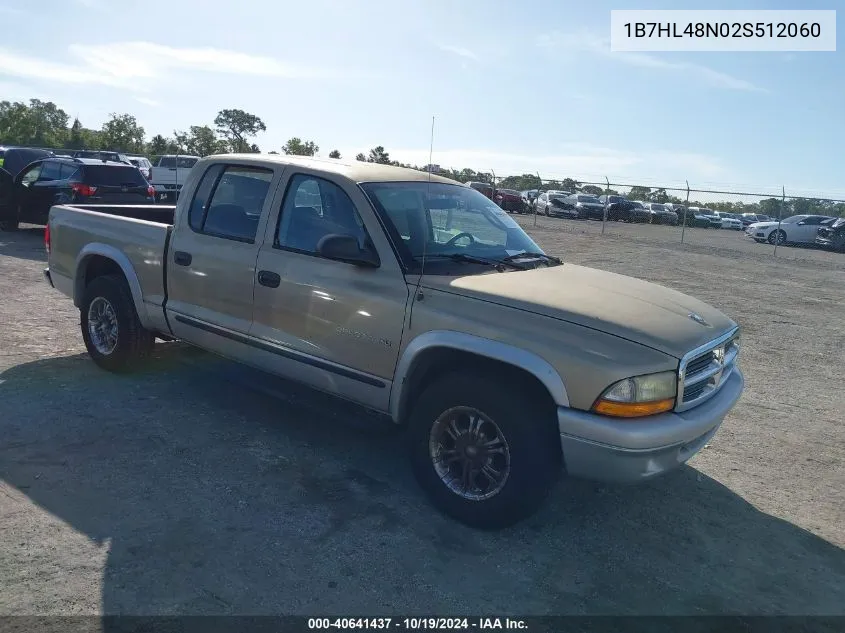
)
(182, 258)
(269, 279)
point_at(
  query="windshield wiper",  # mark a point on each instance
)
(472, 259)
(531, 255)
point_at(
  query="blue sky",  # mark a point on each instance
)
(514, 87)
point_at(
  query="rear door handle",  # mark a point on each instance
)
(269, 279)
(182, 258)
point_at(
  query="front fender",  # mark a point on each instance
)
(494, 350)
(118, 257)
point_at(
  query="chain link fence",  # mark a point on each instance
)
(713, 218)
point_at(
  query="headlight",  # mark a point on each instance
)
(639, 396)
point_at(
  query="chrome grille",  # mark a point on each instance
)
(704, 370)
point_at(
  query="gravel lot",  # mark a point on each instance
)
(199, 487)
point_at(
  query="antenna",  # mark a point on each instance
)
(417, 293)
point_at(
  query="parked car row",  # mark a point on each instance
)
(620, 209)
(822, 230)
(33, 180)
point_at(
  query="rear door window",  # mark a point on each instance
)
(235, 204)
(51, 170)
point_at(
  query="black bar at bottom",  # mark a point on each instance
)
(528, 624)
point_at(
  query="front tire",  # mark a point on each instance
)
(777, 237)
(484, 451)
(113, 334)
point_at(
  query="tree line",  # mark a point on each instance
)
(44, 124)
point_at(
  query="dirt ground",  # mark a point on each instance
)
(199, 487)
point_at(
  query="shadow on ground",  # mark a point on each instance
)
(219, 499)
(25, 243)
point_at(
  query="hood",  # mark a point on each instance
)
(627, 307)
(764, 225)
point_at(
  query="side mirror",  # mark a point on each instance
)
(344, 248)
(802, 223)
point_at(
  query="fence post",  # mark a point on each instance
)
(540, 186)
(606, 204)
(780, 217)
(686, 214)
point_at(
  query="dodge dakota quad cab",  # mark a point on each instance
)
(416, 297)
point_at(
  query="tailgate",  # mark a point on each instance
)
(128, 193)
(164, 176)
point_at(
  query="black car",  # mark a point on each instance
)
(28, 195)
(620, 209)
(832, 235)
(115, 157)
(587, 206)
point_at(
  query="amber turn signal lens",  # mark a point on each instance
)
(633, 409)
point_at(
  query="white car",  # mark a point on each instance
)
(144, 166)
(729, 221)
(796, 229)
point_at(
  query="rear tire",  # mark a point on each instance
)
(508, 480)
(11, 223)
(113, 334)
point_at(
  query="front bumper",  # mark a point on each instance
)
(628, 451)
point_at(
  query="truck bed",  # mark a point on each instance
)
(135, 237)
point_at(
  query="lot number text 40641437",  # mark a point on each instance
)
(419, 624)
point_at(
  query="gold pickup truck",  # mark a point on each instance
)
(419, 298)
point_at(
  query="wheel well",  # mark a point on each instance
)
(92, 267)
(99, 266)
(437, 361)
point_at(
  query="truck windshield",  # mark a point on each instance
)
(445, 219)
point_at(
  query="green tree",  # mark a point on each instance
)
(378, 155)
(297, 147)
(237, 127)
(521, 183)
(639, 193)
(593, 190)
(658, 195)
(360, 156)
(122, 133)
(334, 154)
(76, 138)
(41, 123)
(160, 145)
(771, 207)
(201, 140)
(49, 123)
(569, 184)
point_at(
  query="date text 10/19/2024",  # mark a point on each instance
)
(418, 624)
